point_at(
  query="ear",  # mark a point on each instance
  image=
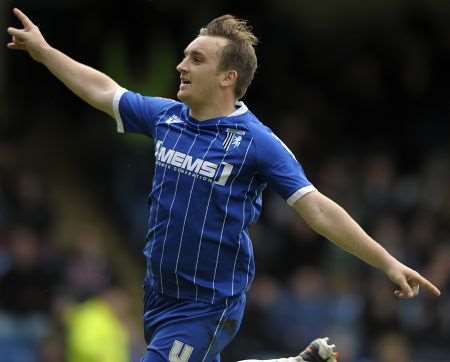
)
(229, 78)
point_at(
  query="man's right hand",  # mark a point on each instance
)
(28, 39)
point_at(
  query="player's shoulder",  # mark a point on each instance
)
(136, 97)
(266, 143)
(257, 128)
(247, 120)
(171, 105)
(169, 101)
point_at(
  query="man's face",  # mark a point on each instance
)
(199, 74)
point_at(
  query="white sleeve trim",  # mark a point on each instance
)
(297, 195)
(118, 118)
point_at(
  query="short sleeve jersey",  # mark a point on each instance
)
(206, 192)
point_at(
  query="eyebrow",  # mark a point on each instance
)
(194, 53)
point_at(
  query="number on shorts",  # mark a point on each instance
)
(180, 352)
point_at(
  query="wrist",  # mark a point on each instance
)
(43, 53)
(390, 265)
(387, 262)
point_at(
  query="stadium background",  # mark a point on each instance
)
(358, 90)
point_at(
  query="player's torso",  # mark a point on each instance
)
(213, 153)
(203, 195)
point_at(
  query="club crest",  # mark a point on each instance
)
(233, 139)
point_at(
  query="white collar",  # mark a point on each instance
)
(241, 109)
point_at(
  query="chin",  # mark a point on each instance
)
(182, 96)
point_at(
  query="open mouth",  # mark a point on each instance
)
(184, 84)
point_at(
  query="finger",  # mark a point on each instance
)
(405, 289)
(399, 294)
(12, 46)
(15, 32)
(415, 288)
(15, 46)
(26, 22)
(428, 285)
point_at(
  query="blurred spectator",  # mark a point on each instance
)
(97, 328)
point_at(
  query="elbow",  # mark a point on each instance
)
(318, 211)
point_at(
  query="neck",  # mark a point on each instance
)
(210, 110)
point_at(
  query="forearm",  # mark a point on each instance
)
(92, 86)
(334, 223)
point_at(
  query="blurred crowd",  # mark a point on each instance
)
(60, 300)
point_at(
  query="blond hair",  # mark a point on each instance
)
(239, 54)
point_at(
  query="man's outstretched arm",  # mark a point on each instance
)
(334, 223)
(92, 86)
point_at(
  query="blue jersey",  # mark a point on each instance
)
(206, 192)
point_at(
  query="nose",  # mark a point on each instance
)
(181, 67)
